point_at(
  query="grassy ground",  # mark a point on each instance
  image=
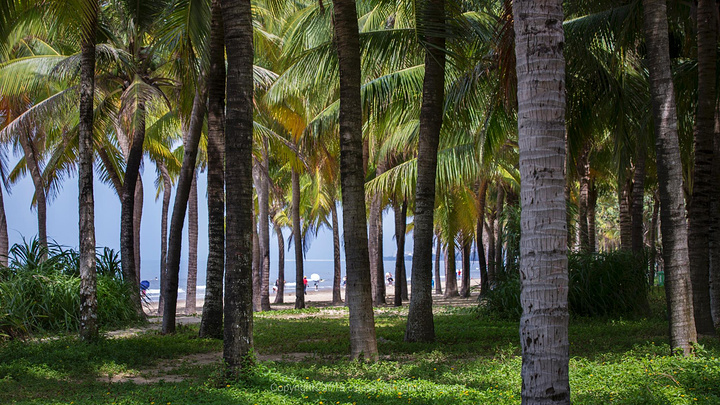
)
(475, 360)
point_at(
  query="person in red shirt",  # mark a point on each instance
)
(305, 283)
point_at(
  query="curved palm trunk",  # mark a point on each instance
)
(699, 207)
(451, 289)
(420, 324)
(669, 168)
(438, 253)
(238, 341)
(88, 277)
(638, 203)
(182, 194)
(4, 241)
(30, 153)
(211, 324)
(264, 223)
(297, 240)
(358, 295)
(167, 192)
(191, 287)
(127, 213)
(482, 192)
(465, 286)
(337, 266)
(540, 68)
(280, 297)
(400, 228)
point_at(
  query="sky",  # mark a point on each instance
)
(62, 222)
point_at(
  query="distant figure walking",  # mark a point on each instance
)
(305, 283)
(388, 278)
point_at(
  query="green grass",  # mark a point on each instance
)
(475, 360)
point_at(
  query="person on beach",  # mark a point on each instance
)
(305, 283)
(388, 278)
(344, 284)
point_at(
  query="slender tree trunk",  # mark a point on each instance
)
(182, 194)
(137, 221)
(256, 267)
(438, 255)
(592, 205)
(653, 237)
(451, 289)
(669, 169)
(127, 217)
(211, 324)
(715, 231)
(167, 191)
(492, 274)
(358, 294)
(373, 230)
(699, 208)
(465, 286)
(297, 241)
(482, 192)
(264, 222)
(280, 297)
(191, 288)
(88, 277)
(624, 208)
(539, 41)
(420, 323)
(499, 262)
(4, 240)
(337, 268)
(583, 170)
(638, 202)
(238, 341)
(30, 153)
(400, 228)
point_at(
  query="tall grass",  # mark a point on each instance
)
(40, 291)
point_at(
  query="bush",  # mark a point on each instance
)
(43, 295)
(600, 284)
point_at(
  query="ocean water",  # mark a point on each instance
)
(323, 268)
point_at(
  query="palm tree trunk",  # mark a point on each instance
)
(669, 169)
(374, 214)
(337, 268)
(167, 192)
(638, 202)
(137, 220)
(182, 194)
(4, 240)
(592, 206)
(297, 240)
(264, 223)
(191, 288)
(211, 324)
(451, 289)
(420, 324)
(400, 228)
(127, 217)
(30, 153)
(238, 341)
(358, 293)
(699, 207)
(465, 286)
(482, 192)
(438, 255)
(715, 232)
(583, 170)
(540, 66)
(492, 274)
(499, 262)
(653, 237)
(256, 267)
(624, 208)
(280, 297)
(88, 277)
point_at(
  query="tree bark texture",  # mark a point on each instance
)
(498, 259)
(297, 241)
(465, 286)
(238, 341)
(86, 203)
(583, 171)
(264, 229)
(137, 221)
(337, 265)
(358, 293)
(256, 263)
(400, 228)
(438, 256)
(638, 202)
(373, 230)
(482, 192)
(167, 191)
(539, 41)
(699, 220)
(279, 297)
(715, 232)
(624, 208)
(420, 323)
(451, 289)
(191, 288)
(182, 194)
(670, 181)
(592, 206)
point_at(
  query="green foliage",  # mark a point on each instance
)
(601, 284)
(40, 295)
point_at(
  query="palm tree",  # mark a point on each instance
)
(540, 69)
(357, 260)
(238, 341)
(670, 181)
(699, 206)
(420, 326)
(212, 315)
(88, 283)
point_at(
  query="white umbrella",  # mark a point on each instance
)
(315, 277)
